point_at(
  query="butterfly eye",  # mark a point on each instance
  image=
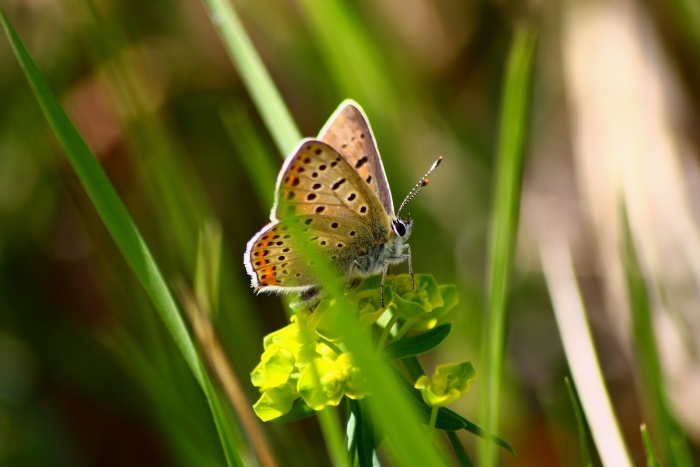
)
(399, 228)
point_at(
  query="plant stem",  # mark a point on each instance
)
(404, 329)
(330, 344)
(330, 427)
(387, 330)
(431, 425)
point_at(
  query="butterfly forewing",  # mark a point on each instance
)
(317, 180)
(349, 132)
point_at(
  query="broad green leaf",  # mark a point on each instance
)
(122, 228)
(461, 454)
(483, 434)
(413, 367)
(299, 411)
(420, 344)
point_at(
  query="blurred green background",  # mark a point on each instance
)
(89, 376)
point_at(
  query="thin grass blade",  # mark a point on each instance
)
(581, 355)
(580, 425)
(122, 228)
(504, 228)
(648, 363)
(257, 80)
(652, 460)
(460, 452)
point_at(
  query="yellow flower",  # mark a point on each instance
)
(275, 402)
(274, 369)
(449, 383)
(325, 380)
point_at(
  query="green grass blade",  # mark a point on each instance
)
(580, 425)
(120, 225)
(648, 363)
(391, 406)
(460, 452)
(333, 435)
(255, 77)
(580, 353)
(505, 226)
(355, 63)
(259, 164)
(652, 461)
(206, 273)
(365, 439)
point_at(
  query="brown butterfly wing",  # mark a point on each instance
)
(348, 131)
(274, 260)
(319, 198)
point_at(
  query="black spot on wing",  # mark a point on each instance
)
(360, 162)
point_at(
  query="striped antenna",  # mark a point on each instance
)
(419, 186)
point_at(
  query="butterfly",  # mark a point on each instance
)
(331, 191)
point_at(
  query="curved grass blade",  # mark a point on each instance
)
(580, 353)
(505, 225)
(391, 408)
(122, 228)
(583, 439)
(420, 344)
(461, 453)
(254, 75)
(647, 356)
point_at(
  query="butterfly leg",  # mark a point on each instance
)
(351, 280)
(410, 267)
(407, 256)
(385, 269)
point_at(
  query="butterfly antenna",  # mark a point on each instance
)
(419, 186)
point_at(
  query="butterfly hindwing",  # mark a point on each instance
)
(349, 132)
(275, 260)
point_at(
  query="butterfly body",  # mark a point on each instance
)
(331, 193)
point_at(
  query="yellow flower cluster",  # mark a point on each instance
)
(307, 359)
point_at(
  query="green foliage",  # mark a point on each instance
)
(123, 231)
(418, 344)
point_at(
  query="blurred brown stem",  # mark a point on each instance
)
(227, 377)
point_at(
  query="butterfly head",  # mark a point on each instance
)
(402, 227)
